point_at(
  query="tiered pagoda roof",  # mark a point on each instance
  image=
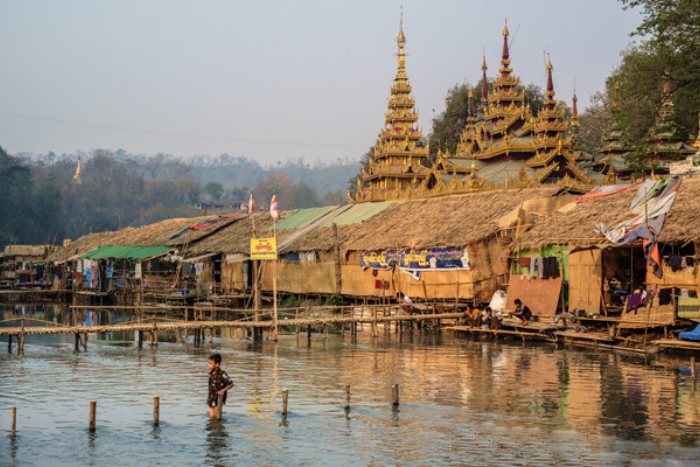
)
(514, 148)
(396, 168)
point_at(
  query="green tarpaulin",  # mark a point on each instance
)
(126, 252)
(303, 217)
(357, 213)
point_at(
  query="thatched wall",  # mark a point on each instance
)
(300, 278)
(232, 276)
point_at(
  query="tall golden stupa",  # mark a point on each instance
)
(396, 168)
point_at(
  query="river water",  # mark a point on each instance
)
(463, 401)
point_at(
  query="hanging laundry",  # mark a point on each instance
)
(675, 262)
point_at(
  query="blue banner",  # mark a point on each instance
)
(424, 259)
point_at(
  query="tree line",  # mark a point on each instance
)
(44, 202)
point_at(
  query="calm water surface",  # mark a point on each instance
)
(463, 402)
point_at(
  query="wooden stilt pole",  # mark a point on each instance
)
(77, 342)
(93, 415)
(20, 341)
(211, 335)
(219, 407)
(156, 410)
(13, 422)
(85, 339)
(285, 399)
(9, 343)
(395, 395)
(347, 396)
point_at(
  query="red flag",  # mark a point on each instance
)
(251, 205)
(275, 208)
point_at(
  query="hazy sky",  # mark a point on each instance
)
(271, 80)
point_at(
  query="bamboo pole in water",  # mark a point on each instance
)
(156, 410)
(395, 395)
(347, 396)
(285, 399)
(13, 422)
(93, 414)
(219, 407)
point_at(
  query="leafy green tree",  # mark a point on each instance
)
(669, 47)
(214, 189)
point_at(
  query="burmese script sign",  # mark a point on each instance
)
(432, 258)
(263, 248)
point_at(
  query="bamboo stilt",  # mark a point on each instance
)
(13, 422)
(156, 410)
(285, 399)
(93, 414)
(395, 395)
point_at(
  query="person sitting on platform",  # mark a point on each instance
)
(496, 320)
(486, 316)
(472, 317)
(407, 305)
(521, 311)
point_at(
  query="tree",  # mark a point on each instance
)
(214, 189)
(595, 120)
(670, 30)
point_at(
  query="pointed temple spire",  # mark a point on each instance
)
(484, 85)
(549, 94)
(574, 111)
(505, 55)
(400, 149)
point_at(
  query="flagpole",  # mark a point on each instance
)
(274, 284)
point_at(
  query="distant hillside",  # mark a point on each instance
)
(244, 173)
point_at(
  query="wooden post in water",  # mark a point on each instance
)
(156, 410)
(93, 414)
(395, 395)
(342, 324)
(77, 342)
(13, 422)
(85, 339)
(9, 343)
(211, 335)
(347, 396)
(693, 373)
(20, 341)
(285, 399)
(219, 407)
(296, 317)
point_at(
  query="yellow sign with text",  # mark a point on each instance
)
(263, 248)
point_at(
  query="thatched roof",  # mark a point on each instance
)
(446, 221)
(574, 224)
(37, 251)
(234, 237)
(154, 234)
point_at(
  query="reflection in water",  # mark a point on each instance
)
(463, 401)
(218, 446)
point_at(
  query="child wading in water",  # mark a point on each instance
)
(219, 383)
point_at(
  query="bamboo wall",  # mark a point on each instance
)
(300, 278)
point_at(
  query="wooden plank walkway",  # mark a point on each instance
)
(162, 325)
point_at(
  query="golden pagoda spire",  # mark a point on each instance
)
(484, 83)
(78, 177)
(549, 94)
(574, 111)
(505, 56)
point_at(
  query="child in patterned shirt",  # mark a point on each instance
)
(219, 384)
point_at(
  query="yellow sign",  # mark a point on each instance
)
(263, 248)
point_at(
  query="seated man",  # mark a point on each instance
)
(472, 317)
(496, 320)
(407, 305)
(522, 312)
(486, 316)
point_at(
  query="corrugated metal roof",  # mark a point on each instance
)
(358, 213)
(303, 217)
(126, 251)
